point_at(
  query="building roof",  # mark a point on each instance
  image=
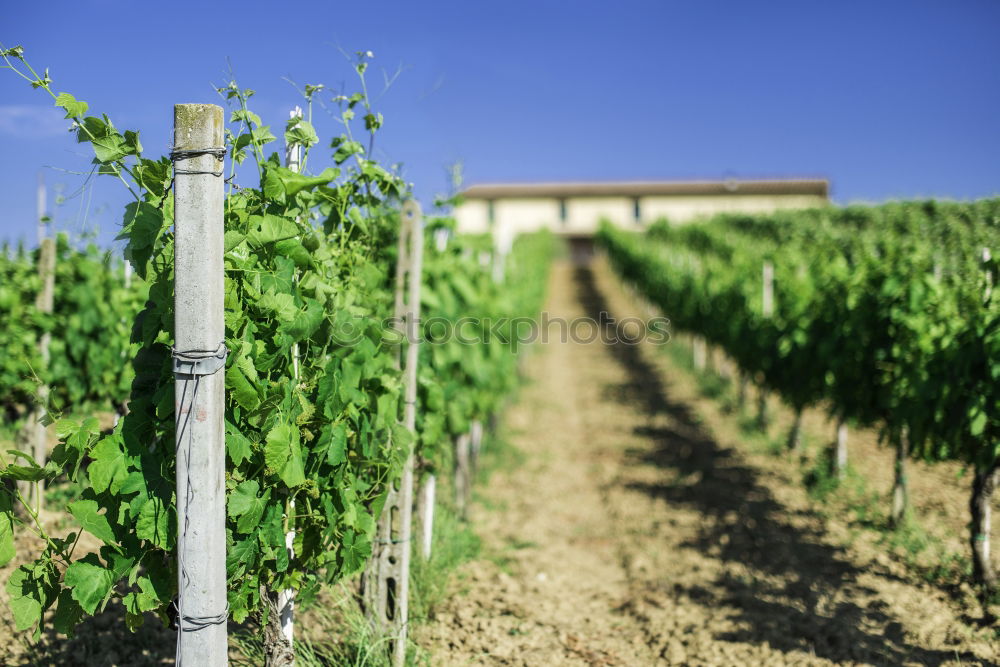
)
(818, 187)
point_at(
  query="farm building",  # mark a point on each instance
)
(575, 209)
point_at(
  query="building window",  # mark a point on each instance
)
(562, 211)
(636, 211)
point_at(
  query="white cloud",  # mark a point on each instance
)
(32, 121)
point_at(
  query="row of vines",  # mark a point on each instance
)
(91, 321)
(313, 432)
(885, 316)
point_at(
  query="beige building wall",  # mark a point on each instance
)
(526, 214)
(684, 208)
(473, 217)
(584, 213)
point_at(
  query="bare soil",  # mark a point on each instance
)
(645, 528)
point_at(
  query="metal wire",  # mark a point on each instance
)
(219, 153)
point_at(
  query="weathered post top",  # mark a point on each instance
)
(198, 126)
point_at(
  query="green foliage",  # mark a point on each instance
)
(90, 329)
(311, 414)
(886, 312)
(468, 365)
(313, 438)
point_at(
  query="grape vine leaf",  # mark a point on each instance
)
(247, 505)
(283, 455)
(109, 469)
(90, 582)
(86, 512)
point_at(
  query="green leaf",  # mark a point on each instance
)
(245, 504)
(301, 132)
(241, 389)
(262, 135)
(27, 597)
(233, 239)
(294, 182)
(111, 148)
(26, 473)
(283, 455)
(90, 582)
(238, 446)
(145, 600)
(86, 512)
(978, 424)
(153, 523)
(358, 219)
(244, 115)
(346, 149)
(6, 529)
(142, 225)
(269, 228)
(336, 453)
(109, 468)
(242, 555)
(68, 613)
(356, 551)
(281, 306)
(305, 322)
(132, 142)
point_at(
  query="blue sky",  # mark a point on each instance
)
(887, 99)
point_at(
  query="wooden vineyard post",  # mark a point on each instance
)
(199, 360)
(44, 302)
(388, 577)
(767, 310)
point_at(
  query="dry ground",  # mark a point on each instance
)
(643, 529)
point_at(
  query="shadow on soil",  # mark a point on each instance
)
(799, 596)
(103, 641)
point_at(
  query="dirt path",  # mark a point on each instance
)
(631, 536)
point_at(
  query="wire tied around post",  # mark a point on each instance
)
(196, 623)
(219, 153)
(199, 363)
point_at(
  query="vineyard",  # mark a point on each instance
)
(885, 315)
(293, 391)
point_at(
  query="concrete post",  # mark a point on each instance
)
(840, 456)
(199, 390)
(387, 579)
(428, 496)
(44, 302)
(412, 213)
